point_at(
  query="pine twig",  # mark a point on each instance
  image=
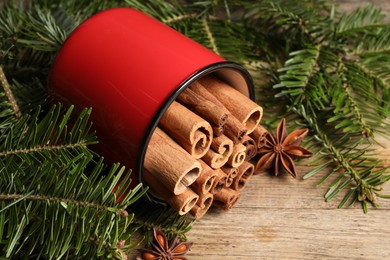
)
(210, 36)
(63, 201)
(178, 18)
(8, 92)
(82, 144)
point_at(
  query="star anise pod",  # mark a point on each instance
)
(280, 151)
(162, 249)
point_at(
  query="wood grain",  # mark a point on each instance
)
(286, 218)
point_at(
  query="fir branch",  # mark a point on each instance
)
(348, 108)
(46, 148)
(47, 136)
(73, 200)
(7, 116)
(377, 43)
(8, 92)
(345, 160)
(178, 18)
(360, 20)
(210, 37)
(299, 70)
(44, 34)
(63, 201)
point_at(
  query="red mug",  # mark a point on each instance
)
(129, 68)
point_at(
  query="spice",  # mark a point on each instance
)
(163, 249)
(280, 151)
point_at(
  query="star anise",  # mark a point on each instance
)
(280, 151)
(162, 249)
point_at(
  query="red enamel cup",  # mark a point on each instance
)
(129, 67)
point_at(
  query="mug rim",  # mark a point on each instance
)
(152, 126)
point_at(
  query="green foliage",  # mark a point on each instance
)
(329, 71)
(336, 84)
(56, 199)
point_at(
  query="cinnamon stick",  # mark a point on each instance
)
(226, 198)
(245, 171)
(231, 173)
(203, 107)
(189, 130)
(244, 109)
(221, 150)
(217, 130)
(182, 203)
(229, 181)
(220, 181)
(251, 147)
(258, 135)
(170, 164)
(238, 155)
(233, 129)
(202, 205)
(205, 182)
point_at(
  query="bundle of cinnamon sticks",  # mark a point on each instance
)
(200, 153)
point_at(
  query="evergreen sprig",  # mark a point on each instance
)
(333, 93)
(327, 70)
(52, 188)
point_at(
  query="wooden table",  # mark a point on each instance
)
(286, 218)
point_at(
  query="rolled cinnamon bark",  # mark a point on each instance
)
(231, 173)
(238, 155)
(182, 203)
(251, 147)
(202, 205)
(217, 130)
(245, 171)
(244, 109)
(189, 130)
(220, 181)
(233, 128)
(203, 107)
(258, 135)
(229, 181)
(170, 164)
(221, 150)
(226, 198)
(205, 182)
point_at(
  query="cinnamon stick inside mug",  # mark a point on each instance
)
(233, 128)
(245, 171)
(244, 109)
(226, 198)
(219, 182)
(258, 135)
(189, 130)
(218, 155)
(169, 163)
(203, 107)
(205, 182)
(231, 174)
(251, 147)
(202, 205)
(182, 203)
(218, 130)
(238, 155)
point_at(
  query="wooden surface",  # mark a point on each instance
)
(286, 218)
